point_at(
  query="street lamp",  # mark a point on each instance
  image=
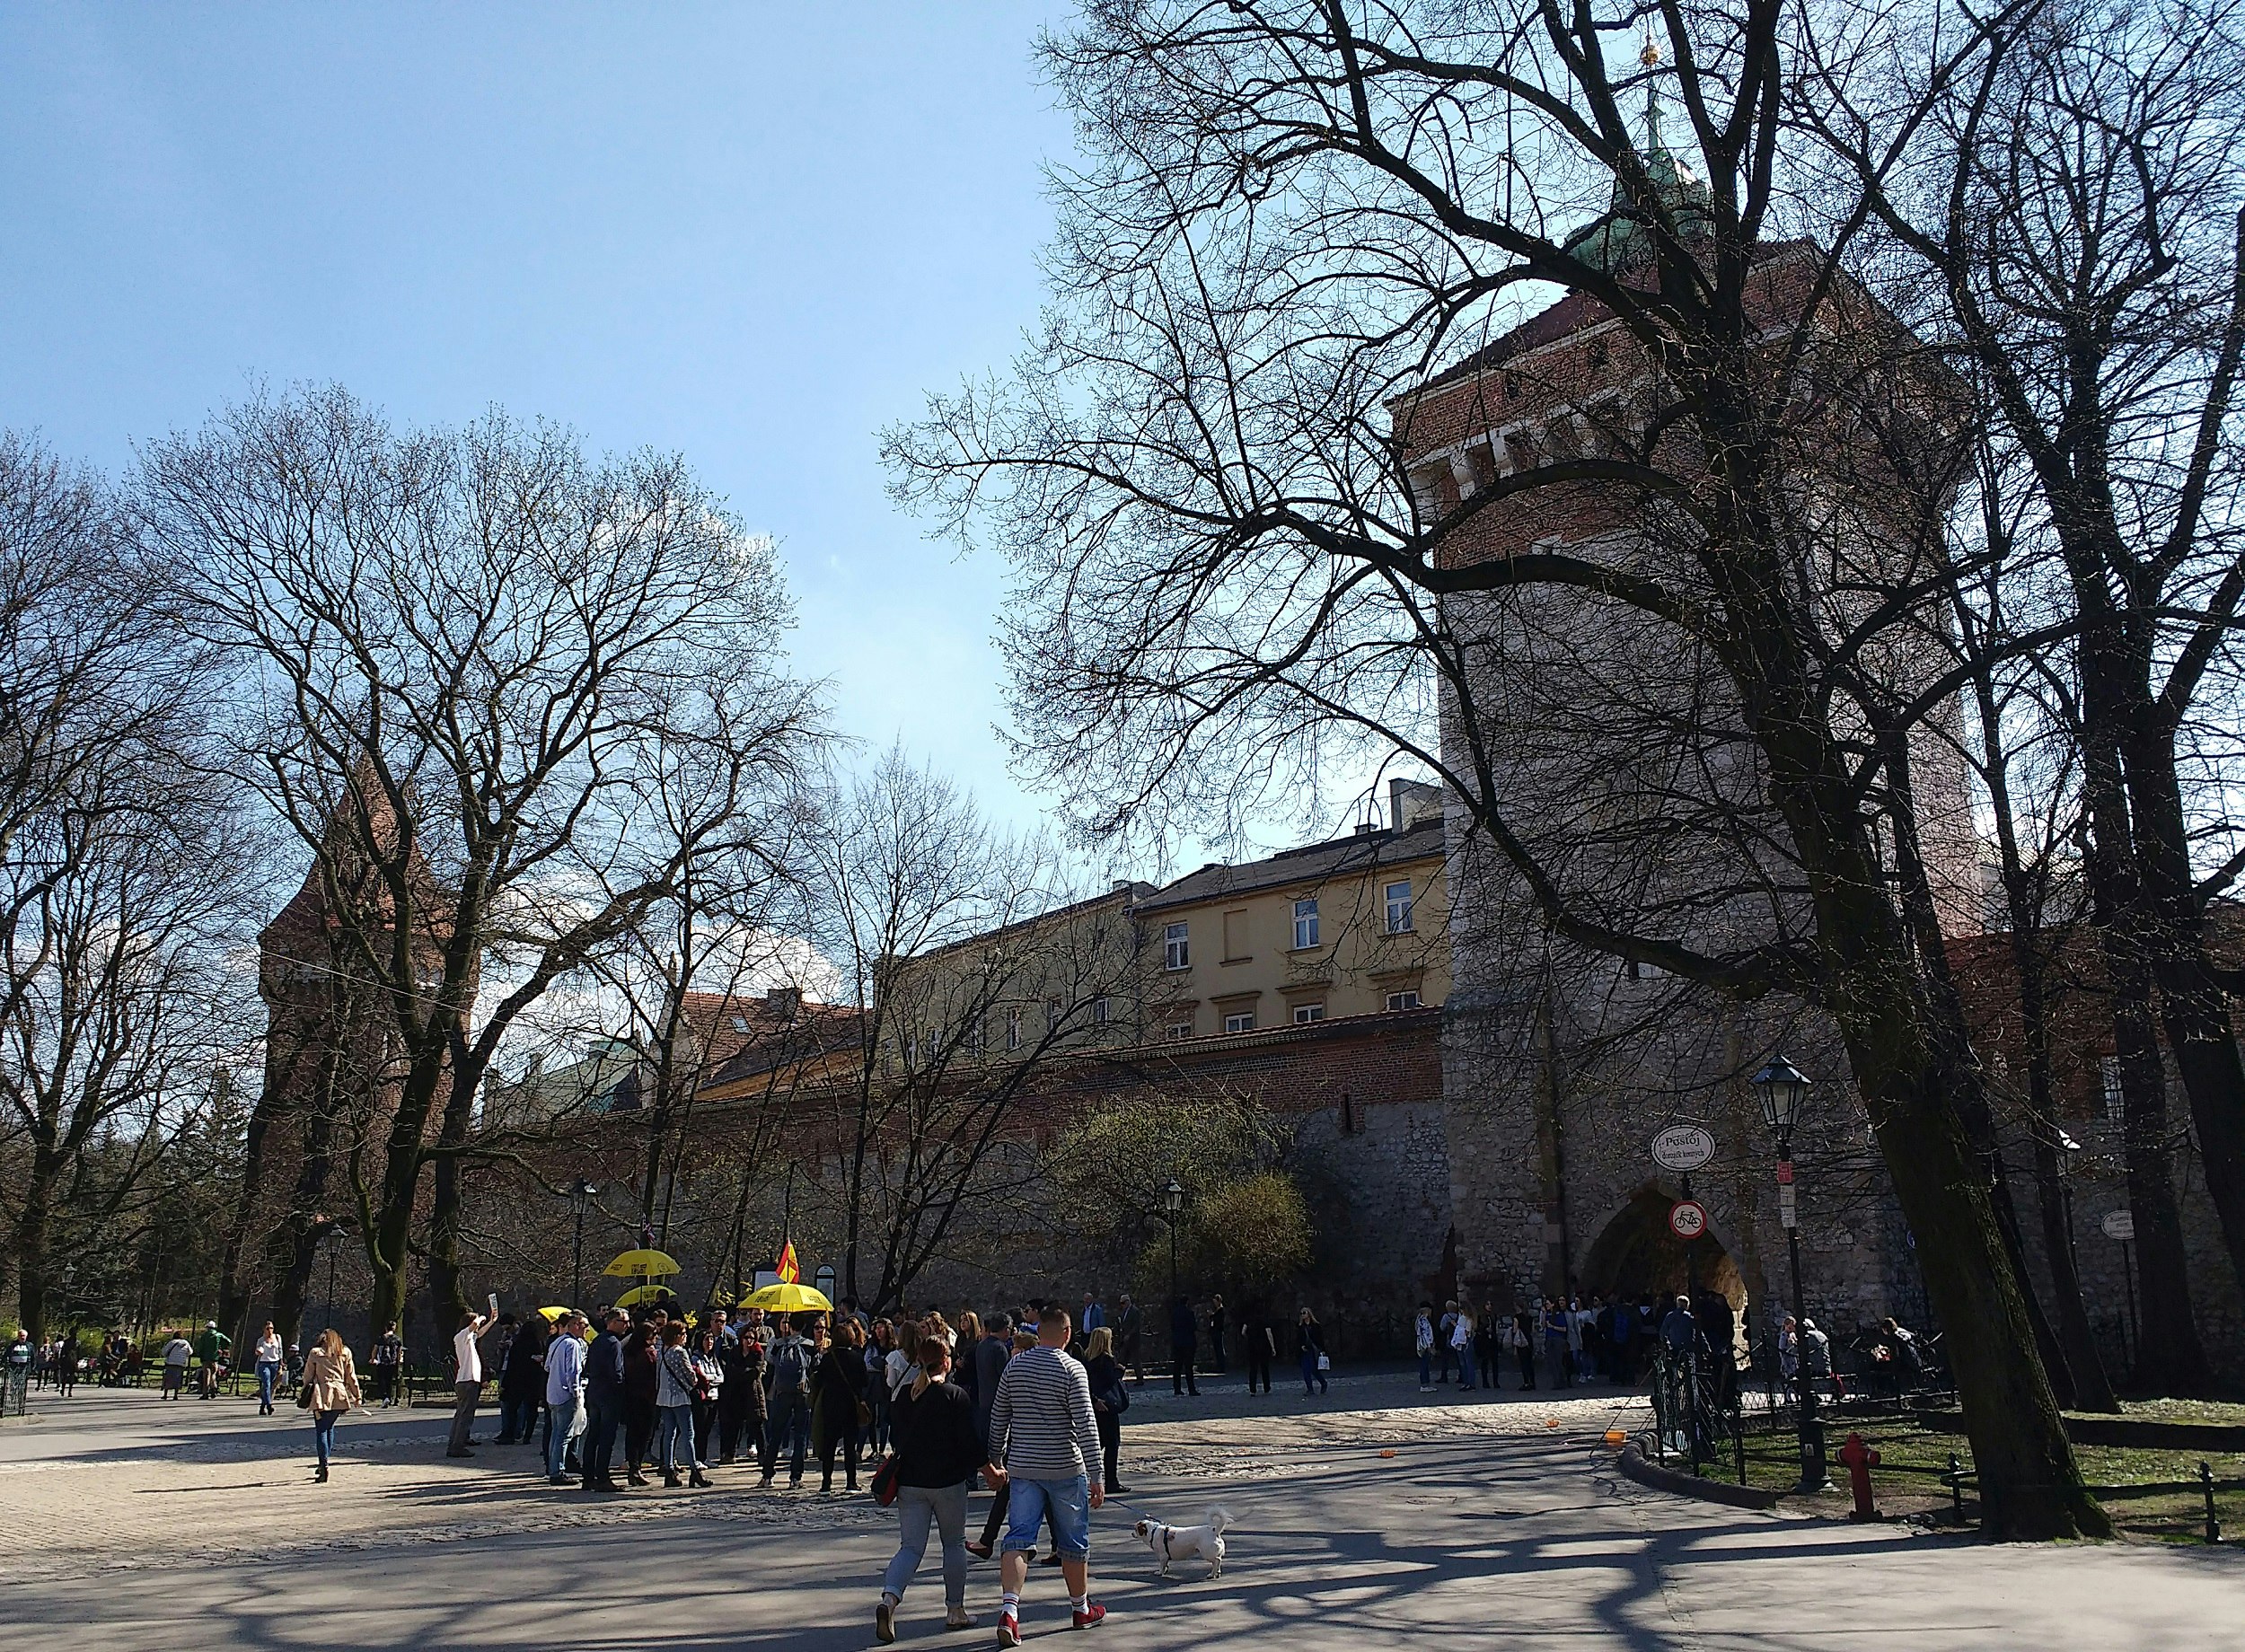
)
(333, 1240)
(580, 1191)
(1781, 1088)
(1172, 1202)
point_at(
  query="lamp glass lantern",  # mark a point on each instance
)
(1173, 1197)
(1781, 1087)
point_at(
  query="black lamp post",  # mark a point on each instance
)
(1172, 1202)
(1781, 1088)
(580, 1191)
(332, 1241)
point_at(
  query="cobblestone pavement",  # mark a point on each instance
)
(1370, 1514)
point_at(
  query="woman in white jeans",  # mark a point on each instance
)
(938, 1451)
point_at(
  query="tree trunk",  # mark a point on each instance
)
(2170, 1359)
(31, 1244)
(2193, 1006)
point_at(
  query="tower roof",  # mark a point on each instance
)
(1621, 236)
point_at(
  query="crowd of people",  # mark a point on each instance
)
(1572, 1341)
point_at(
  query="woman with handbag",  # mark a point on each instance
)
(329, 1389)
(939, 1449)
(838, 1405)
(1108, 1401)
(1309, 1345)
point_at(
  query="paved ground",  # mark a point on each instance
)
(136, 1525)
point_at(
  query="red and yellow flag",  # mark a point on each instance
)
(789, 1273)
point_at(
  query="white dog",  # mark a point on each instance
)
(1187, 1542)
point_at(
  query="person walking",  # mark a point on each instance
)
(1422, 1345)
(788, 1368)
(938, 1448)
(605, 1364)
(839, 1410)
(177, 1352)
(564, 1394)
(467, 1377)
(269, 1350)
(1109, 1401)
(1184, 1332)
(1217, 1324)
(992, 1357)
(1309, 1349)
(211, 1348)
(1130, 1329)
(331, 1388)
(674, 1382)
(1044, 1447)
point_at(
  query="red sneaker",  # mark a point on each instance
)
(1093, 1614)
(1008, 1629)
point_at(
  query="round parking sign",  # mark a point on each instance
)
(1687, 1219)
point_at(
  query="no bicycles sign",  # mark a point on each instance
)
(1687, 1219)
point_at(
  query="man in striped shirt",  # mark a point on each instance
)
(1044, 1441)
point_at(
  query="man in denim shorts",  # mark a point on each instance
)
(1044, 1443)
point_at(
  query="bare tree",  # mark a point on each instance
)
(978, 975)
(463, 655)
(116, 895)
(2071, 188)
(1297, 215)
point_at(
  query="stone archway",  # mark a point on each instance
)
(1635, 1255)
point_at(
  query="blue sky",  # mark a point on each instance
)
(754, 233)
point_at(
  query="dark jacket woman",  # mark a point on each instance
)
(1108, 1401)
(838, 1387)
(936, 1441)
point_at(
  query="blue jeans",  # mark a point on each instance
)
(599, 1446)
(916, 1505)
(1313, 1379)
(516, 1417)
(674, 1426)
(1069, 1503)
(560, 1419)
(790, 1421)
(1426, 1367)
(323, 1433)
(267, 1371)
(1467, 1374)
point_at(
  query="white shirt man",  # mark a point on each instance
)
(467, 1382)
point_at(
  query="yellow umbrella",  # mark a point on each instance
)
(787, 1298)
(550, 1315)
(642, 1265)
(644, 1293)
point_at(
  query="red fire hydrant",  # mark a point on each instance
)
(1861, 1458)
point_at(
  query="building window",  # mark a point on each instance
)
(1399, 907)
(1013, 1029)
(1306, 1012)
(1175, 954)
(1243, 1022)
(1099, 1010)
(1402, 1000)
(2108, 1075)
(1304, 923)
(1176, 1031)
(975, 1040)
(1235, 938)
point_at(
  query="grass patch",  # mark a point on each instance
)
(2147, 1493)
